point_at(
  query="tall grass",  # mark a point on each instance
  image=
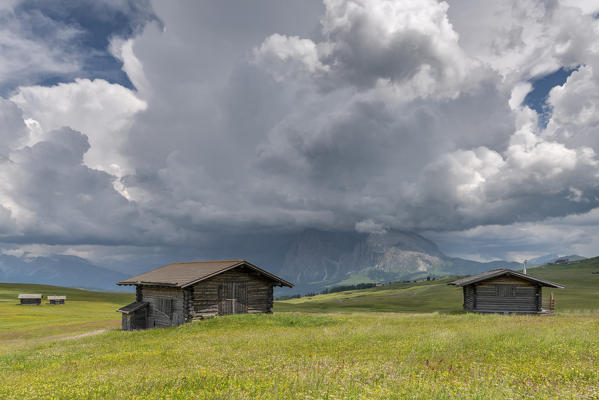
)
(299, 356)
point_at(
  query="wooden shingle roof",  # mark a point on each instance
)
(499, 272)
(185, 274)
(129, 308)
(57, 297)
(30, 296)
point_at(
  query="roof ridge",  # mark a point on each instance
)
(183, 274)
(205, 261)
(498, 272)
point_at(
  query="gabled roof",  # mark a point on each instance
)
(129, 308)
(186, 274)
(57, 297)
(499, 272)
(30, 296)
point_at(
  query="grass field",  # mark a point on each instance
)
(84, 311)
(351, 345)
(581, 293)
(293, 356)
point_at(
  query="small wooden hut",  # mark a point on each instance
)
(504, 291)
(57, 299)
(30, 299)
(181, 292)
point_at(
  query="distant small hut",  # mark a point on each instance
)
(505, 291)
(30, 299)
(181, 292)
(561, 261)
(57, 299)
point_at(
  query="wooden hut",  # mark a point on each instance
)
(181, 292)
(57, 299)
(30, 299)
(504, 291)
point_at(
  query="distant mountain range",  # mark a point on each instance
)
(61, 270)
(317, 259)
(312, 260)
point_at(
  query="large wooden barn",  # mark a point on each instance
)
(181, 292)
(504, 291)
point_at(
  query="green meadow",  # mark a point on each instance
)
(581, 293)
(83, 312)
(403, 341)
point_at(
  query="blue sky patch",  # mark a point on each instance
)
(93, 24)
(537, 97)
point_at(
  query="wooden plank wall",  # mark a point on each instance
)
(507, 294)
(140, 318)
(31, 302)
(469, 296)
(135, 320)
(157, 297)
(188, 303)
(204, 299)
(232, 297)
(126, 322)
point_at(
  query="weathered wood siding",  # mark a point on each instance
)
(232, 292)
(31, 302)
(135, 320)
(126, 322)
(469, 297)
(57, 301)
(232, 297)
(506, 294)
(166, 306)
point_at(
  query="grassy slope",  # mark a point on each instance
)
(582, 287)
(401, 297)
(581, 293)
(295, 356)
(84, 311)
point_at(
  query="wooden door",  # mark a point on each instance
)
(162, 311)
(232, 298)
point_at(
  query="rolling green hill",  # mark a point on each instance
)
(581, 293)
(10, 291)
(582, 286)
(84, 311)
(400, 297)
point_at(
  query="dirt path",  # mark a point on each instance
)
(92, 333)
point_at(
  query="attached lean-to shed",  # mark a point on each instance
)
(30, 299)
(504, 291)
(181, 292)
(135, 315)
(57, 299)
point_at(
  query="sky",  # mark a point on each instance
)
(141, 130)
